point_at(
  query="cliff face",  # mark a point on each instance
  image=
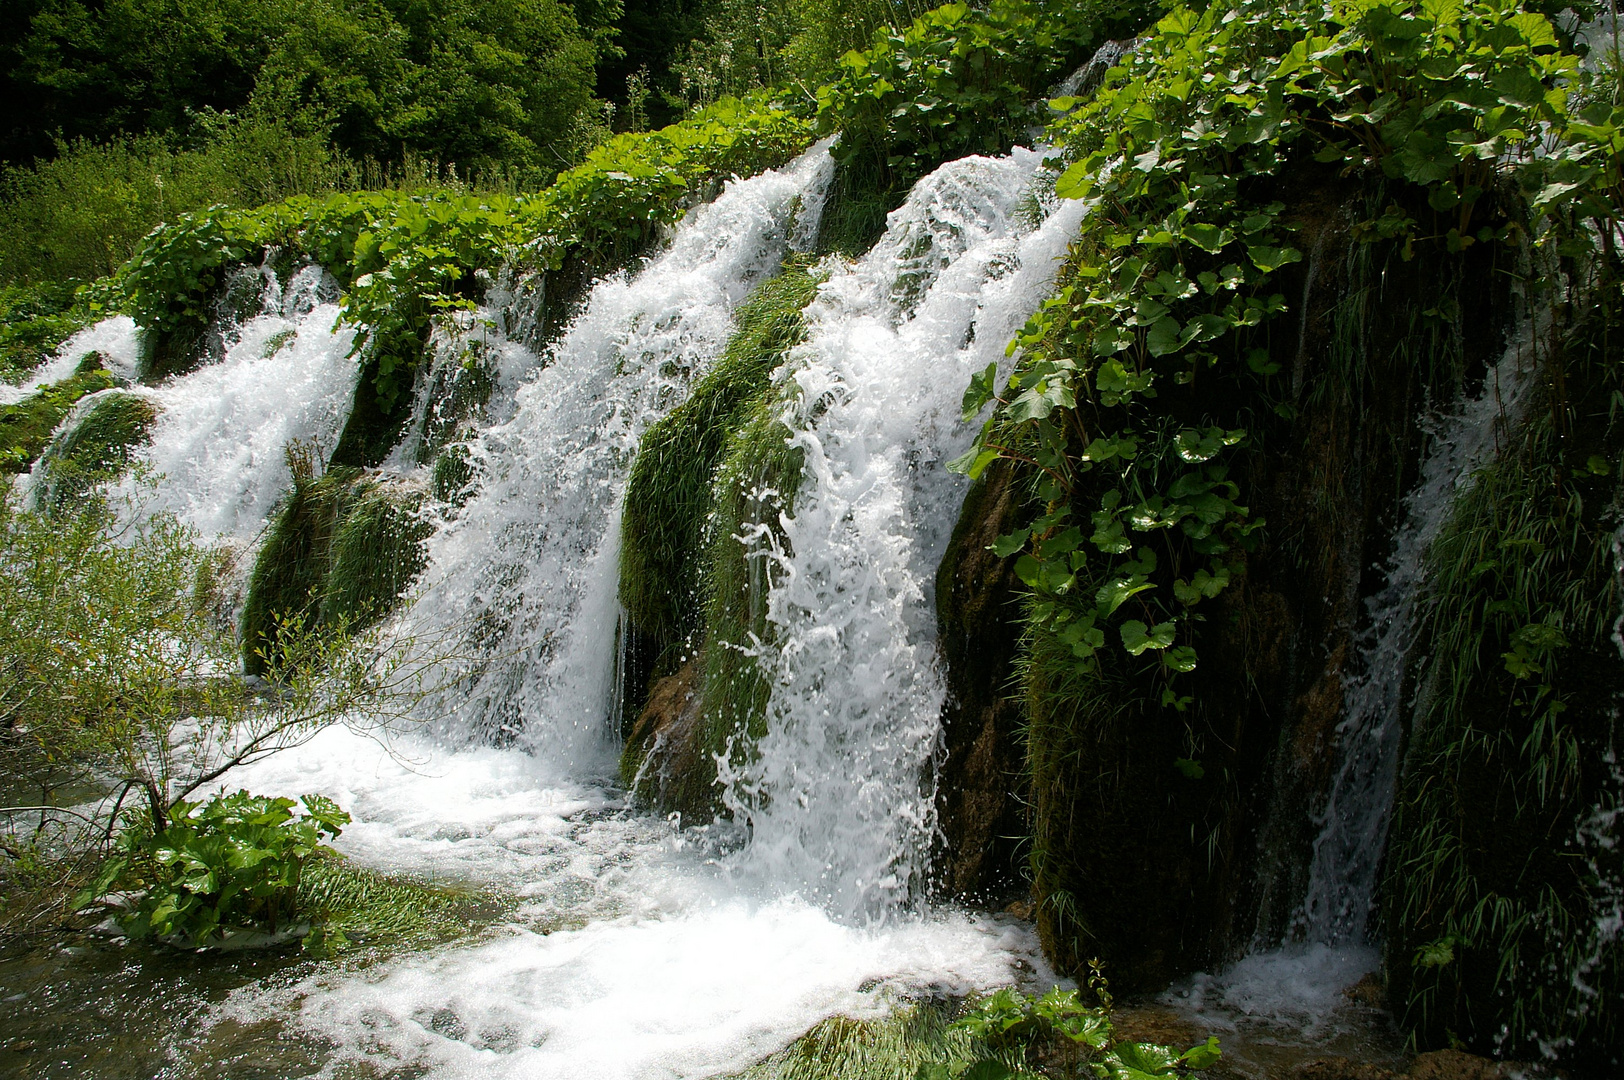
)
(1155, 866)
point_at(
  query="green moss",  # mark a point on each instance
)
(26, 427)
(897, 1047)
(452, 476)
(668, 496)
(718, 462)
(456, 392)
(342, 548)
(100, 446)
(291, 567)
(378, 551)
(370, 908)
(1496, 893)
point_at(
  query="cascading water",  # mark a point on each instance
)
(529, 565)
(839, 795)
(630, 950)
(216, 459)
(1302, 982)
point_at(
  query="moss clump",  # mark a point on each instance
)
(458, 388)
(26, 427)
(369, 908)
(899, 1047)
(98, 447)
(690, 587)
(1503, 870)
(668, 496)
(342, 549)
(378, 551)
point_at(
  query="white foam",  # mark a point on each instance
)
(661, 968)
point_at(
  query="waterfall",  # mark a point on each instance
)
(839, 795)
(1353, 832)
(630, 949)
(1300, 983)
(216, 458)
(528, 568)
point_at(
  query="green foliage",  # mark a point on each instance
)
(1020, 1028)
(1173, 281)
(34, 321)
(26, 427)
(1503, 877)
(897, 1047)
(230, 864)
(473, 81)
(407, 258)
(957, 80)
(615, 202)
(82, 214)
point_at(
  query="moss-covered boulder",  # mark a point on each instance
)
(97, 445)
(691, 588)
(27, 426)
(342, 550)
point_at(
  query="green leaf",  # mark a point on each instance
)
(1202, 1055)
(1189, 768)
(1209, 238)
(1269, 259)
(982, 389)
(1010, 543)
(1137, 638)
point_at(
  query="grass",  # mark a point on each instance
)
(895, 1047)
(99, 447)
(26, 427)
(1498, 885)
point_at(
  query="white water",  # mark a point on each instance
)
(631, 949)
(839, 796)
(117, 339)
(529, 566)
(216, 459)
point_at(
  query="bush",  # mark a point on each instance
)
(219, 868)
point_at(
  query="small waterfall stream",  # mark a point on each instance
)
(1300, 984)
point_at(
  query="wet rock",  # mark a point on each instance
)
(664, 747)
(1458, 1065)
(978, 613)
(1340, 1068)
(1368, 992)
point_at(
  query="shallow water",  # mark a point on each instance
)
(620, 947)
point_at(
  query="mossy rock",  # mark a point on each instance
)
(692, 593)
(342, 549)
(98, 446)
(26, 427)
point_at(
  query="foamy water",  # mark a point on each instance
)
(628, 953)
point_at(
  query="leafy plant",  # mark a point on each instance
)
(232, 863)
(1013, 1024)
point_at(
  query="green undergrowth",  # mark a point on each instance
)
(34, 321)
(689, 585)
(405, 259)
(959, 79)
(342, 550)
(1002, 1035)
(26, 427)
(1502, 877)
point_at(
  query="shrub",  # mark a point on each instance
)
(218, 868)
